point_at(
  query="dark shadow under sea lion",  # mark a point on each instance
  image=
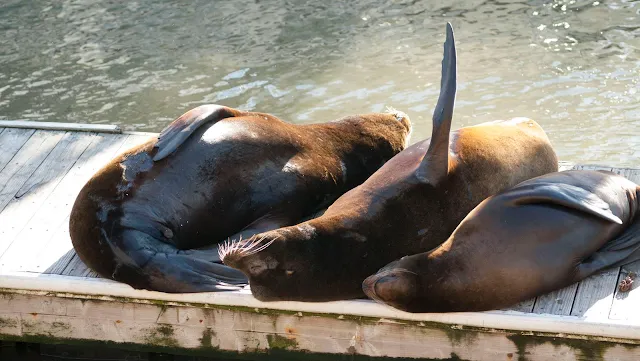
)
(409, 205)
(213, 173)
(541, 235)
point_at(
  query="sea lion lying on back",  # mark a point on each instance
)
(541, 235)
(408, 206)
(214, 173)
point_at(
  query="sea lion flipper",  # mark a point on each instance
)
(435, 164)
(180, 129)
(146, 262)
(619, 251)
(566, 195)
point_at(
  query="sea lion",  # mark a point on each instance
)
(213, 173)
(544, 234)
(409, 205)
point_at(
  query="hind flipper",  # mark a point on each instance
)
(180, 129)
(623, 249)
(175, 273)
(565, 195)
(147, 263)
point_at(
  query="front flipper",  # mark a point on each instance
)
(565, 195)
(180, 129)
(617, 252)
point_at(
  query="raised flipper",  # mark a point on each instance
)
(434, 167)
(617, 252)
(565, 195)
(180, 129)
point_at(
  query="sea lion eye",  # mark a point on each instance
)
(289, 272)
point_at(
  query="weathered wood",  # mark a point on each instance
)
(52, 216)
(57, 267)
(595, 295)
(11, 141)
(213, 329)
(76, 127)
(558, 302)
(37, 188)
(24, 163)
(524, 306)
(625, 304)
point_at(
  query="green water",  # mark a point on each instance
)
(574, 66)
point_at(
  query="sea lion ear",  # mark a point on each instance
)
(180, 129)
(565, 195)
(435, 164)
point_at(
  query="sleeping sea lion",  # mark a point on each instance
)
(544, 234)
(213, 173)
(409, 205)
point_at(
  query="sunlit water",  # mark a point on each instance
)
(574, 66)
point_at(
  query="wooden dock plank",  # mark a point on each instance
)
(53, 215)
(38, 187)
(12, 140)
(62, 243)
(595, 295)
(24, 163)
(558, 302)
(625, 304)
(524, 306)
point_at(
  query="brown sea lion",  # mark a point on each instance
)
(408, 206)
(213, 173)
(544, 234)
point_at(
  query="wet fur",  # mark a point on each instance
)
(155, 224)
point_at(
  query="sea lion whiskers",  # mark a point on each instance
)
(261, 248)
(244, 247)
(224, 248)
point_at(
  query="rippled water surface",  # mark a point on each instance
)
(574, 66)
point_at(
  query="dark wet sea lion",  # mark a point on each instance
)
(541, 235)
(214, 173)
(409, 205)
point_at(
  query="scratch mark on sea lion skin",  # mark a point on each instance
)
(131, 167)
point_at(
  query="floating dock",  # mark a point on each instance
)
(48, 296)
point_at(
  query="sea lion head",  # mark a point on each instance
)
(386, 133)
(285, 262)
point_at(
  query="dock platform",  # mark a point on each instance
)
(48, 296)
